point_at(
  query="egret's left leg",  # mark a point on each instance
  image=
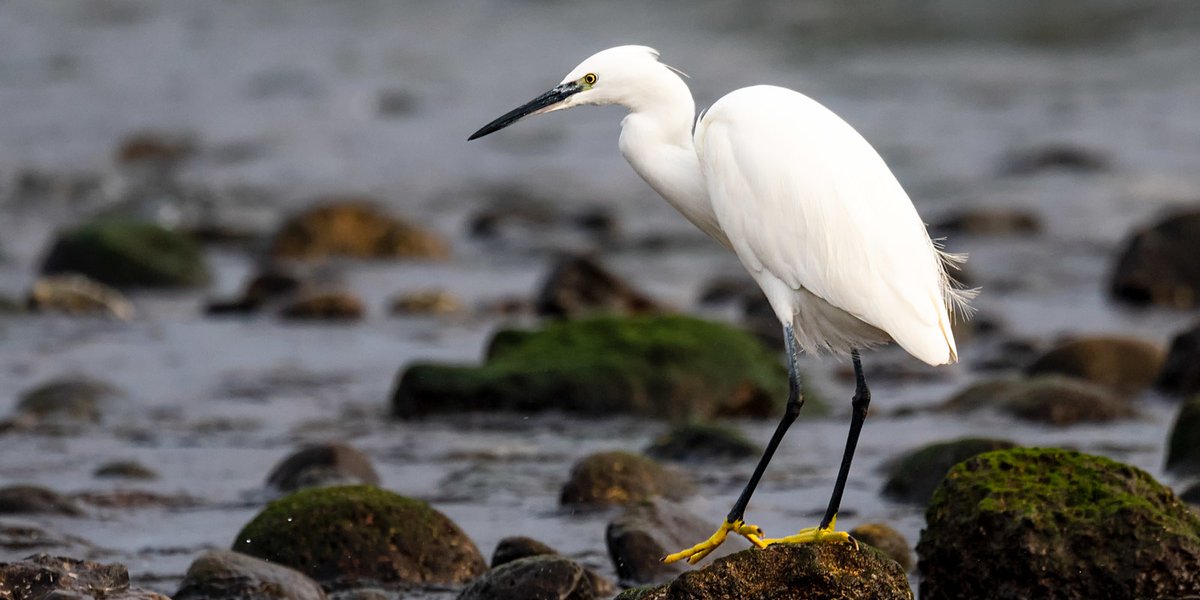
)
(825, 531)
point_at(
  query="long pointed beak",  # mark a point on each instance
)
(544, 103)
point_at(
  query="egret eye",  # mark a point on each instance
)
(590, 78)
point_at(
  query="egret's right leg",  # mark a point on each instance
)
(734, 520)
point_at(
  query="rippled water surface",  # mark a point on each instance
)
(295, 99)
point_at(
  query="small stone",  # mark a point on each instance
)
(542, 577)
(222, 574)
(1063, 157)
(1044, 522)
(1125, 365)
(991, 221)
(426, 302)
(354, 228)
(515, 548)
(125, 469)
(1158, 264)
(647, 531)
(578, 286)
(609, 478)
(327, 305)
(56, 577)
(1183, 446)
(887, 540)
(352, 536)
(1180, 374)
(790, 572)
(128, 253)
(322, 465)
(914, 477)
(703, 442)
(70, 400)
(77, 295)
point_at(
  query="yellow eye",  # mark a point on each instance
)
(590, 78)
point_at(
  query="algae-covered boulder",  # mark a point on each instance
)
(913, 478)
(128, 253)
(672, 367)
(826, 571)
(1049, 523)
(607, 478)
(1183, 447)
(354, 534)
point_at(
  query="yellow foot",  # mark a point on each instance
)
(697, 553)
(814, 534)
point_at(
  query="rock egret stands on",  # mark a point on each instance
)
(809, 208)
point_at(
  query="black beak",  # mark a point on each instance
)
(546, 100)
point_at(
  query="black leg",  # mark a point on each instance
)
(794, 403)
(862, 399)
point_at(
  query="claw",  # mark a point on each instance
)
(814, 534)
(698, 552)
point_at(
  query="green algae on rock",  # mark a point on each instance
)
(128, 253)
(1050, 523)
(347, 535)
(673, 367)
(826, 571)
(917, 474)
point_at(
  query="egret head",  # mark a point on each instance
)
(614, 76)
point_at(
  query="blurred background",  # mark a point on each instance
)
(1036, 136)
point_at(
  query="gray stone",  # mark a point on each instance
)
(228, 575)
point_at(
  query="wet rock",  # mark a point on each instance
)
(134, 499)
(1053, 523)
(71, 400)
(271, 285)
(128, 253)
(1059, 157)
(608, 478)
(154, 147)
(512, 548)
(31, 499)
(1183, 446)
(671, 367)
(77, 295)
(354, 228)
(125, 469)
(1158, 264)
(991, 221)
(914, 477)
(579, 286)
(20, 537)
(548, 577)
(1180, 374)
(1125, 365)
(522, 216)
(325, 305)
(1049, 399)
(790, 572)
(322, 465)
(647, 531)
(515, 548)
(222, 575)
(355, 535)
(886, 539)
(703, 442)
(56, 577)
(426, 302)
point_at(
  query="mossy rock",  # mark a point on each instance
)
(1124, 365)
(917, 474)
(128, 253)
(672, 367)
(1049, 523)
(703, 442)
(826, 571)
(345, 536)
(608, 478)
(1183, 447)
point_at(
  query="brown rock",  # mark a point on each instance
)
(1159, 265)
(74, 294)
(354, 228)
(325, 305)
(1125, 365)
(608, 478)
(578, 286)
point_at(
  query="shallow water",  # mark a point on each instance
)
(283, 97)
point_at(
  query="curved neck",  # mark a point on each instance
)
(656, 139)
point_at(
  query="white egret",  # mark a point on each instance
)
(809, 208)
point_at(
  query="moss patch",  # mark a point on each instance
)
(673, 367)
(350, 534)
(128, 253)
